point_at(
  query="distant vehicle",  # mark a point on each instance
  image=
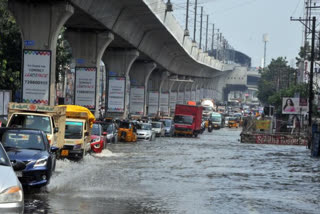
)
(168, 126)
(109, 130)
(233, 122)
(11, 191)
(98, 140)
(226, 120)
(188, 120)
(145, 132)
(32, 148)
(127, 131)
(217, 120)
(159, 129)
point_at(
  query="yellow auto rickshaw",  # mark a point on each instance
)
(234, 122)
(127, 132)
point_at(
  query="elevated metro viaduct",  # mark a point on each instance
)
(140, 43)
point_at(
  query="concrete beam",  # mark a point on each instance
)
(40, 24)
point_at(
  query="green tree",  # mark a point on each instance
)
(10, 50)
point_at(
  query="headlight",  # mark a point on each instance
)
(12, 194)
(97, 146)
(95, 140)
(41, 162)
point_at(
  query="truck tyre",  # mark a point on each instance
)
(195, 134)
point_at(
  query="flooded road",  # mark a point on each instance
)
(213, 173)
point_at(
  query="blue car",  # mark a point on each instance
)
(32, 148)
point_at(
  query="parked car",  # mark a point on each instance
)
(110, 130)
(168, 126)
(11, 191)
(32, 148)
(98, 140)
(145, 132)
(159, 129)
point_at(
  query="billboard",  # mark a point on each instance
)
(180, 98)
(153, 102)
(164, 103)
(85, 87)
(36, 76)
(116, 94)
(173, 101)
(294, 105)
(137, 100)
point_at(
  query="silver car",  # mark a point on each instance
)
(11, 192)
(145, 132)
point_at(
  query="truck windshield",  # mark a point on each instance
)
(180, 119)
(31, 121)
(216, 118)
(73, 130)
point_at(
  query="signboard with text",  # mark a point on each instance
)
(164, 103)
(85, 87)
(137, 100)
(36, 76)
(116, 94)
(153, 102)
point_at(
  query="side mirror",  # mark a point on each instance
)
(54, 149)
(56, 129)
(18, 166)
(104, 133)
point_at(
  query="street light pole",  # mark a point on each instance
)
(186, 31)
(195, 20)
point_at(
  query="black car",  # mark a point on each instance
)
(31, 147)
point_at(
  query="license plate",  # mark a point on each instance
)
(64, 152)
(19, 173)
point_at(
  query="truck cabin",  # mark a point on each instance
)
(183, 119)
(73, 130)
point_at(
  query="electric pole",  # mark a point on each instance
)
(186, 31)
(212, 42)
(311, 95)
(201, 27)
(207, 33)
(195, 20)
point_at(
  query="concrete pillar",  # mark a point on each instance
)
(87, 50)
(141, 72)
(171, 84)
(163, 87)
(120, 62)
(40, 23)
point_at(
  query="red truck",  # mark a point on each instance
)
(188, 120)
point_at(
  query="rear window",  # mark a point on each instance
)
(22, 140)
(31, 121)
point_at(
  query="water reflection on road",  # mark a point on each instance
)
(213, 173)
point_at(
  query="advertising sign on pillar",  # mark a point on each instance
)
(36, 76)
(173, 101)
(85, 87)
(153, 102)
(201, 93)
(164, 103)
(180, 97)
(198, 95)
(193, 95)
(116, 94)
(187, 97)
(137, 100)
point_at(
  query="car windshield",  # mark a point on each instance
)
(232, 118)
(156, 125)
(180, 119)
(4, 161)
(167, 123)
(22, 140)
(73, 130)
(96, 129)
(31, 121)
(215, 118)
(145, 127)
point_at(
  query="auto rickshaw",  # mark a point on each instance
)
(127, 132)
(233, 122)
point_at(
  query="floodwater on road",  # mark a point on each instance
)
(213, 173)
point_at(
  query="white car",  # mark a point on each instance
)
(145, 132)
(11, 192)
(158, 127)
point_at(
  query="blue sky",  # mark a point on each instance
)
(243, 23)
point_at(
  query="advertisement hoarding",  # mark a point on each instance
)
(116, 94)
(85, 87)
(153, 102)
(36, 76)
(294, 105)
(173, 101)
(164, 103)
(137, 100)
